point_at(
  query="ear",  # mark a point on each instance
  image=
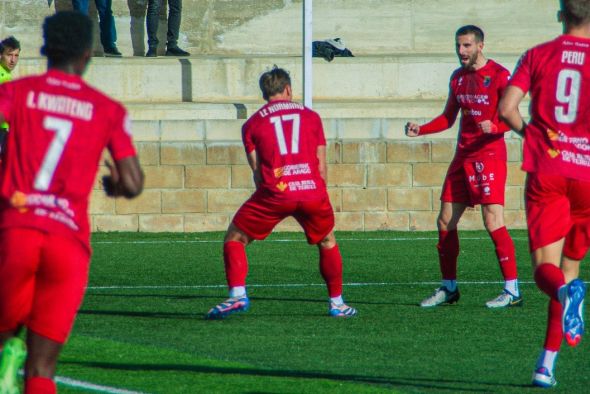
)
(289, 91)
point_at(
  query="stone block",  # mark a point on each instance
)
(146, 130)
(115, 223)
(443, 151)
(206, 222)
(355, 200)
(182, 130)
(148, 153)
(516, 176)
(423, 221)
(182, 153)
(184, 201)
(226, 153)
(150, 201)
(289, 225)
(336, 199)
(514, 149)
(241, 177)
(383, 175)
(226, 201)
(343, 175)
(351, 129)
(334, 152)
(363, 152)
(224, 129)
(515, 219)
(514, 198)
(349, 221)
(161, 223)
(101, 204)
(387, 221)
(408, 151)
(409, 199)
(159, 177)
(207, 177)
(429, 174)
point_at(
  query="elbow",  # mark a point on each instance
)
(133, 186)
(504, 111)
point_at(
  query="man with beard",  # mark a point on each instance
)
(477, 174)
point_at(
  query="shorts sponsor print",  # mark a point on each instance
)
(473, 182)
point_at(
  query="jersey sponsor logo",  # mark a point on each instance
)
(553, 153)
(471, 112)
(296, 186)
(282, 186)
(473, 99)
(553, 136)
(578, 159)
(292, 169)
(47, 205)
(573, 57)
(482, 177)
(487, 81)
(60, 104)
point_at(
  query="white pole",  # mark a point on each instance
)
(307, 53)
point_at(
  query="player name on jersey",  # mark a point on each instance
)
(60, 104)
(573, 57)
(281, 106)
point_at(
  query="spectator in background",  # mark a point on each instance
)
(153, 14)
(108, 33)
(9, 54)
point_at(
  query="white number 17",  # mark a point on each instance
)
(277, 121)
(62, 129)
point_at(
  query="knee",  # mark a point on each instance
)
(445, 224)
(328, 242)
(492, 222)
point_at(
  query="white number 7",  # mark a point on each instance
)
(62, 129)
(277, 121)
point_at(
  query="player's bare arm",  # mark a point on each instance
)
(322, 167)
(508, 109)
(126, 178)
(253, 162)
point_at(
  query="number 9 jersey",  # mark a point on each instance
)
(557, 139)
(286, 136)
(59, 127)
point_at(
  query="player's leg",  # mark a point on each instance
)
(151, 20)
(493, 217)
(317, 220)
(17, 278)
(448, 252)
(59, 290)
(255, 220)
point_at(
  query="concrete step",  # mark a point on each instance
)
(235, 78)
(342, 119)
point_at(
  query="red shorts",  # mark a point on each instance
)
(42, 281)
(472, 182)
(558, 207)
(260, 215)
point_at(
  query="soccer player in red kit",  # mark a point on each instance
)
(557, 161)
(477, 174)
(286, 149)
(59, 127)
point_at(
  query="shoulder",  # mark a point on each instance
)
(498, 68)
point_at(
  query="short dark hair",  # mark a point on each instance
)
(9, 42)
(274, 82)
(576, 12)
(67, 35)
(470, 29)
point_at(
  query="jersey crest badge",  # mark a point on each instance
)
(479, 166)
(553, 136)
(487, 80)
(553, 153)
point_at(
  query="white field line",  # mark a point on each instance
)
(353, 284)
(208, 241)
(91, 386)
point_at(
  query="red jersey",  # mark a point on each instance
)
(476, 93)
(286, 136)
(557, 139)
(59, 127)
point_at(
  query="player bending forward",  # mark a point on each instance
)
(557, 162)
(59, 127)
(477, 174)
(286, 149)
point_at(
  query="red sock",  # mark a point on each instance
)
(549, 279)
(554, 334)
(505, 253)
(331, 270)
(236, 263)
(448, 251)
(40, 385)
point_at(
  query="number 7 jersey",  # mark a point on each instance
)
(557, 139)
(285, 136)
(59, 127)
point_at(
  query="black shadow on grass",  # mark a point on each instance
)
(378, 380)
(164, 315)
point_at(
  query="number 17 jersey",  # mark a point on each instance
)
(557, 139)
(285, 136)
(59, 127)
